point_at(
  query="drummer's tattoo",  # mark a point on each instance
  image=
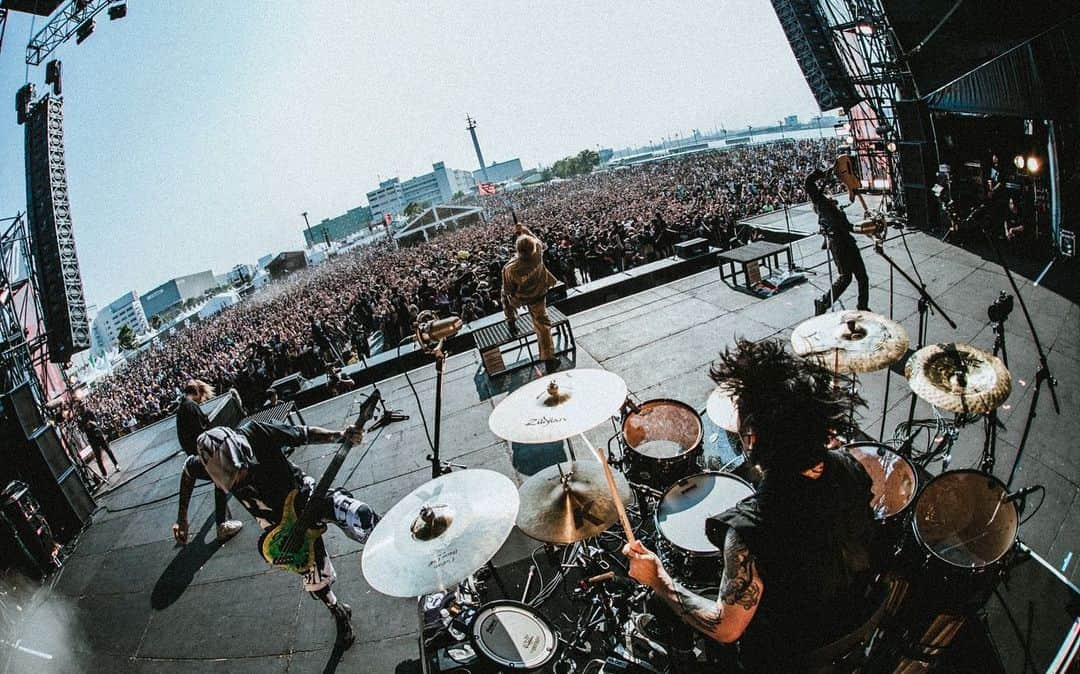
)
(737, 586)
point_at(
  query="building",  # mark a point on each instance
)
(437, 187)
(791, 120)
(500, 172)
(126, 310)
(336, 229)
(175, 291)
(264, 260)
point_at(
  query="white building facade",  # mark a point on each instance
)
(437, 187)
(126, 310)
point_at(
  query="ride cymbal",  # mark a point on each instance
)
(558, 406)
(441, 533)
(849, 342)
(569, 502)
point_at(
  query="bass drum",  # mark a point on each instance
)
(513, 636)
(680, 523)
(662, 443)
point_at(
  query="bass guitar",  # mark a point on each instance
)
(291, 544)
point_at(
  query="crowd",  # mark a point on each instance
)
(593, 225)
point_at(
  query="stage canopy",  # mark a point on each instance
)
(436, 220)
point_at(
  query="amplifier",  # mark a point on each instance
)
(691, 248)
(288, 387)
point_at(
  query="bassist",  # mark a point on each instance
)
(249, 463)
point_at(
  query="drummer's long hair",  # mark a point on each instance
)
(789, 403)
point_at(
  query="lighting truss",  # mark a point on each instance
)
(61, 27)
(871, 55)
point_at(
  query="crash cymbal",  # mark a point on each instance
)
(959, 378)
(721, 410)
(569, 502)
(558, 406)
(851, 341)
(440, 533)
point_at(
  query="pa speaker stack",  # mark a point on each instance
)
(35, 453)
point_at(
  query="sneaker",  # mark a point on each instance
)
(228, 529)
(343, 617)
(820, 307)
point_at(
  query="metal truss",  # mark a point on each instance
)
(61, 27)
(24, 356)
(871, 55)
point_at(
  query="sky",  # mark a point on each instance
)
(196, 132)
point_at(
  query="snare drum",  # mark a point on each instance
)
(662, 442)
(513, 636)
(680, 522)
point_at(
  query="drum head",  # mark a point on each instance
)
(895, 481)
(663, 429)
(513, 635)
(960, 519)
(681, 514)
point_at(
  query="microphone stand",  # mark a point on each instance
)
(1042, 374)
(436, 349)
(925, 303)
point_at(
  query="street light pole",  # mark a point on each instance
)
(307, 228)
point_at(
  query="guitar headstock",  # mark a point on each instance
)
(367, 409)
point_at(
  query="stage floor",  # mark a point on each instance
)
(129, 600)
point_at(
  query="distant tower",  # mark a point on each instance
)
(470, 124)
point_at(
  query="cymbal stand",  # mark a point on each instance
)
(990, 420)
(1042, 374)
(926, 302)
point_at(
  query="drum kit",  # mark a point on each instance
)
(948, 538)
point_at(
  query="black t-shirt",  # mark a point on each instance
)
(190, 422)
(272, 476)
(811, 543)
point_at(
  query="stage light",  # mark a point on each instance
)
(1033, 164)
(83, 31)
(891, 146)
(1018, 161)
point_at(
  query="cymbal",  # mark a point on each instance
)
(959, 378)
(440, 533)
(851, 341)
(558, 406)
(571, 505)
(722, 411)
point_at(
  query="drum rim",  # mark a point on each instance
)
(656, 510)
(486, 653)
(677, 403)
(919, 483)
(927, 548)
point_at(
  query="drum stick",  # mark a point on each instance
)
(627, 529)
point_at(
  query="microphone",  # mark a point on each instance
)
(1019, 494)
(436, 331)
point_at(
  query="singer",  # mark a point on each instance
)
(526, 282)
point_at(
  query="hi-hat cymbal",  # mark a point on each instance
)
(440, 533)
(558, 406)
(959, 378)
(569, 502)
(851, 341)
(722, 411)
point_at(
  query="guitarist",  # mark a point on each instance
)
(249, 463)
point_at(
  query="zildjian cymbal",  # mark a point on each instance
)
(958, 378)
(569, 502)
(441, 533)
(558, 406)
(851, 341)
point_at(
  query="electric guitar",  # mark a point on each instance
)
(845, 170)
(291, 544)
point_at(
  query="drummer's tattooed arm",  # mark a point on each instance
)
(740, 590)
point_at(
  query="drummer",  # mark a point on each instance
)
(796, 559)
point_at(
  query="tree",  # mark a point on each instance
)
(126, 338)
(457, 195)
(155, 321)
(413, 209)
(582, 162)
